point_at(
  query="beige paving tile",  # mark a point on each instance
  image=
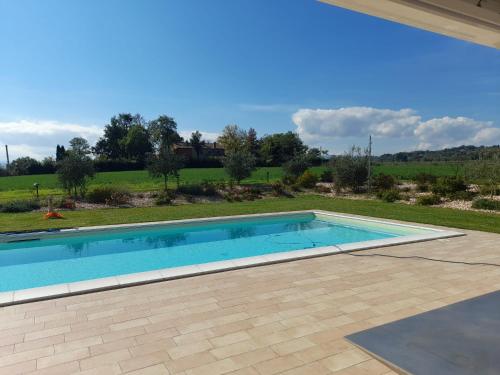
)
(159, 369)
(188, 349)
(105, 359)
(56, 359)
(189, 362)
(345, 359)
(143, 361)
(278, 365)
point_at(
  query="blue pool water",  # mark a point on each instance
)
(58, 260)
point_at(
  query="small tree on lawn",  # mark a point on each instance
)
(164, 163)
(239, 164)
(74, 172)
(351, 170)
(296, 166)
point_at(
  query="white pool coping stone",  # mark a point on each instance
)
(113, 282)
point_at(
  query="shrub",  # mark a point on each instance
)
(428, 200)
(110, 195)
(205, 188)
(384, 181)
(322, 189)
(307, 180)
(288, 180)
(67, 203)
(424, 180)
(191, 189)
(351, 170)
(19, 206)
(486, 204)
(487, 189)
(296, 166)
(165, 198)
(250, 193)
(447, 186)
(462, 195)
(326, 176)
(389, 195)
(278, 189)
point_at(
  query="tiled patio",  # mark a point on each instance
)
(287, 318)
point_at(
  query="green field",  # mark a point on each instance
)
(419, 214)
(15, 187)
(21, 187)
(408, 171)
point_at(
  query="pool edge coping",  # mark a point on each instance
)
(121, 281)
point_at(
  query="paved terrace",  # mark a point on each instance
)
(287, 318)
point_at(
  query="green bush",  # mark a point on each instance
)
(489, 190)
(351, 170)
(384, 181)
(288, 180)
(278, 189)
(206, 188)
(165, 198)
(111, 195)
(486, 204)
(307, 180)
(296, 166)
(462, 196)
(322, 189)
(389, 195)
(326, 176)
(428, 200)
(424, 180)
(19, 206)
(447, 186)
(67, 203)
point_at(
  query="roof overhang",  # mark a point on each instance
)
(476, 21)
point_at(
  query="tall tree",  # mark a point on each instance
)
(80, 146)
(252, 142)
(163, 132)
(279, 148)
(196, 143)
(233, 138)
(137, 143)
(60, 152)
(111, 144)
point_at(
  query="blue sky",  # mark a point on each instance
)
(331, 74)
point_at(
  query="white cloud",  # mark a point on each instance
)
(323, 126)
(39, 138)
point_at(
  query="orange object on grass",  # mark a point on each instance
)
(53, 215)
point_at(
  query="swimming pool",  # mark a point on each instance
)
(88, 258)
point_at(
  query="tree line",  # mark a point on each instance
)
(461, 153)
(129, 140)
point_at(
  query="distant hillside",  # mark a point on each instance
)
(461, 153)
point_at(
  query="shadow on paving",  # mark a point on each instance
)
(459, 339)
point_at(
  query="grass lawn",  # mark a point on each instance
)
(419, 214)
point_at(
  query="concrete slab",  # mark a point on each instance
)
(458, 339)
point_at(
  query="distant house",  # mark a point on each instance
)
(209, 150)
